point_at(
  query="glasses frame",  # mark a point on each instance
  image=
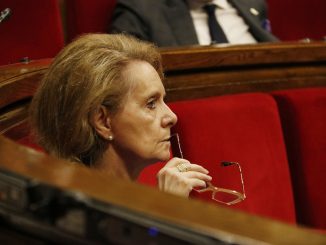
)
(238, 195)
(210, 187)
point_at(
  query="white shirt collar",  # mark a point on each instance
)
(223, 4)
(195, 5)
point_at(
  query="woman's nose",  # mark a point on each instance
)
(170, 118)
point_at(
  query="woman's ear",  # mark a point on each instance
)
(101, 122)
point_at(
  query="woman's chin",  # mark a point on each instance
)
(164, 157)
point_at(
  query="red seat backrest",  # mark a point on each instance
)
(243, 128)
(297, 19)
(85, 16)
(303, 114)
(34, 30)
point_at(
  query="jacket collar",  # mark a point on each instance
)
(180, 22)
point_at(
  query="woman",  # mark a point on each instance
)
(101, 103)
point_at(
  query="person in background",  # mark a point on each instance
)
(101, 103)
(191, 22)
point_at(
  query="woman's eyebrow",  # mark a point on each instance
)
(154, 94)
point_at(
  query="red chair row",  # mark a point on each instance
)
(279, 139)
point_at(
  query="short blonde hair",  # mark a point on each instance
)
(84, 75)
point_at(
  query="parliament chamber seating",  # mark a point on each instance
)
(260, 105)
(231, 106)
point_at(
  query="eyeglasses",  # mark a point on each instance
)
(221, 195)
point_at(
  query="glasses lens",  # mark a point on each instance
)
(225, 197)
(227, 177)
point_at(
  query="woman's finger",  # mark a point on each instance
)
(175, 161)
(197, 175)
(198, 168)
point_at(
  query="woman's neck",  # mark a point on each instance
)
(114, 164)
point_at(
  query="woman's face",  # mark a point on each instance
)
(141, 128)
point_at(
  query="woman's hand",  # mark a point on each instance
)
(179, 177)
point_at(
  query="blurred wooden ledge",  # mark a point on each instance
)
(208, 220)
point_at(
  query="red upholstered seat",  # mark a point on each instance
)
(303, 113)
(33, 30)
(84, 16)
(243, 128)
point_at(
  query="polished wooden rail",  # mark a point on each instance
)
(198, 57)
(18, 83)
(207, 71)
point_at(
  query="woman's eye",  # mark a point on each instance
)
(151, 104)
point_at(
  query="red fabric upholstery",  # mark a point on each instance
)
(33, 30)
(303, 113)
(84, 16)
(148, 175)
(29, 141)
(243, 128)
(297, 19)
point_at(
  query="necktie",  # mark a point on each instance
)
(215, 29)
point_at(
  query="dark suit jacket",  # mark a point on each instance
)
(169, 23)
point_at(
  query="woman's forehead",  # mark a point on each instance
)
(142, 76)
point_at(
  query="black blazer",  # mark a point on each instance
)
(169, 23)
